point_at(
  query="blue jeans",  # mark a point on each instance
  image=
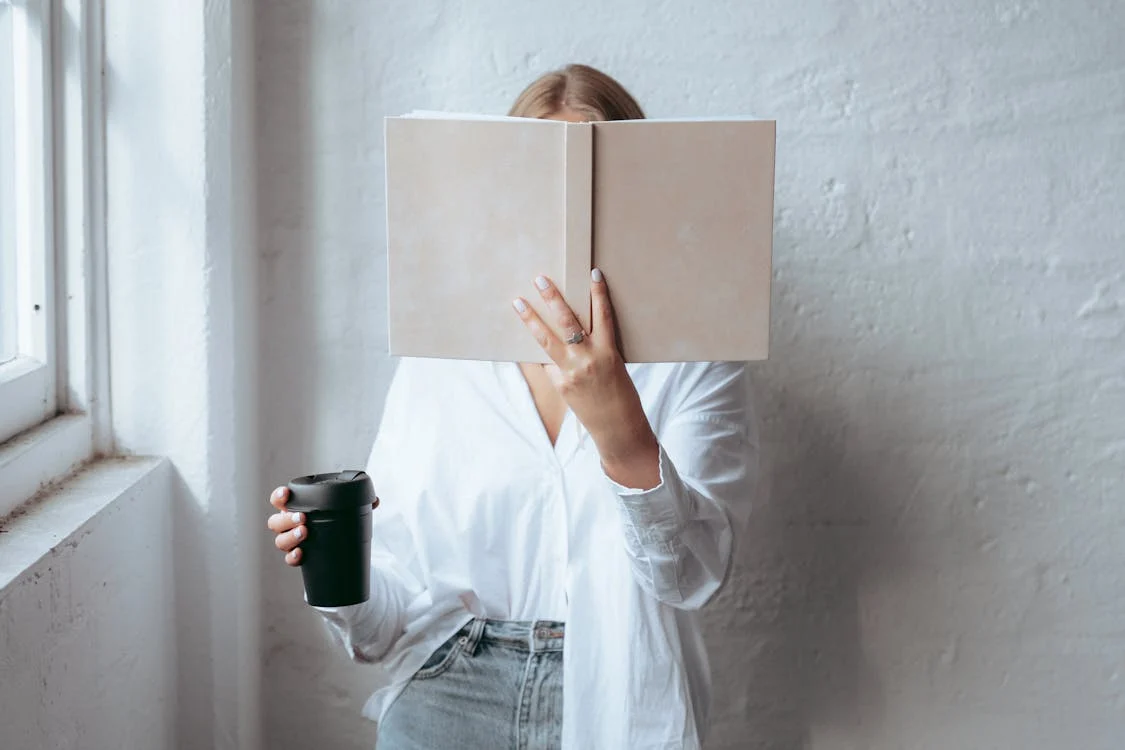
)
(494, 685)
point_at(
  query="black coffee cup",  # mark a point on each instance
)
(336, 556)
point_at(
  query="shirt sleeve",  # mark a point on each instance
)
(680, 535)
(369, 630)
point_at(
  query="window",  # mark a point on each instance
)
(27, 375)
(50, 261)
(8, 330)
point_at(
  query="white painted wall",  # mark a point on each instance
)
(182, 310)
(939, 563)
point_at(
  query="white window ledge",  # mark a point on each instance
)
(65, 513)
(32, 460)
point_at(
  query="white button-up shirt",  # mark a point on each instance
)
(481, 516)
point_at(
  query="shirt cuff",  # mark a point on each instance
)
(653, 515)
(346, 612)
(621, 489)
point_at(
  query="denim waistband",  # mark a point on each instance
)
(526, 635)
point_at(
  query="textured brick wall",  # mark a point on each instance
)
(939, 564)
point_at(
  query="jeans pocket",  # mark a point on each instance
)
(442, 658)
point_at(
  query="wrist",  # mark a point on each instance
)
(623, 448)
(633, 462)
(620, 427)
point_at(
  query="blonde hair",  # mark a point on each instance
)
(581, 88)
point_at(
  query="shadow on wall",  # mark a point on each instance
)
(786, 636)
(287, 244)
(191, 582)
(286, 178)
(300, 223)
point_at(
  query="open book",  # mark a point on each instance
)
(678, 215)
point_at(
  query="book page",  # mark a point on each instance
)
(683, 230)
(429, 114)
(741, 118)
(475, 210)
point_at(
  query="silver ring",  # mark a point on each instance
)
(577, 337)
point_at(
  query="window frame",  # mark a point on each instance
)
(54, 405)
(28, 383)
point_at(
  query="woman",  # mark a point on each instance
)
(548, 533)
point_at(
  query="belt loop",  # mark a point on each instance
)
(545, 636)
(473, 639)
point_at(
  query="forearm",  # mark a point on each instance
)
(679, 530)
(679, 539)
(629, 450)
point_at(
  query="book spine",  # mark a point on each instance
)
(578, 206)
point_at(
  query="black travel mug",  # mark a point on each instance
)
(336, 556)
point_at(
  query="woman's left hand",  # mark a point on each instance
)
(590, 374)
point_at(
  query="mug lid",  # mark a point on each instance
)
(341, 490)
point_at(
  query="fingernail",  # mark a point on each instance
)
(542, 283)
(520, 305)
(297, 533)
(296, 517)
(596, 275)
(276, 493)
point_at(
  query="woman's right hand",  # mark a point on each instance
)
(289, 527)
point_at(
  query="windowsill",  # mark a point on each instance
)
(31, 461)
(66, 513)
